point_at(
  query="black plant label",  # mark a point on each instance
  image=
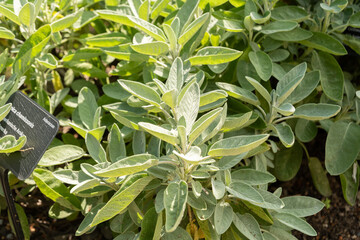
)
(27, 118)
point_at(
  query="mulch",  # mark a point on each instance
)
(338, 220)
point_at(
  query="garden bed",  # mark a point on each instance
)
(176, 116)
(337, 221)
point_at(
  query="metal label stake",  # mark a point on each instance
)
(26, 118)
(11, 204)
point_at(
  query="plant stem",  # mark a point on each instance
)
(260, 39)
(178, 148)
(266, 5)
(283, 119)
(256, 35)
(271, 115)
(307, 52)
(167, 115)
(262, 111)
(250, 35)
(155, 118)
(18, 40)
(190, 214)
(305, 149)
(336, 28)
(342, 113)
(326, 22)
(260, 7)
(169, 162)
(112, 186)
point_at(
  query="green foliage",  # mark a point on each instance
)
(8, 143)
(177, 115)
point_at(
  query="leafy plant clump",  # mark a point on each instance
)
(177, 116)
(8, 143)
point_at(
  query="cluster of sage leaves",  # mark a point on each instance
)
(183, 112)
(8, 143)
(8, 85)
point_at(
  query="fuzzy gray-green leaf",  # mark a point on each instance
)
(236, 145)
(317, 111)
(128, 166)
(342, 147)
(262, 63)
(175, 198)
(120, 201)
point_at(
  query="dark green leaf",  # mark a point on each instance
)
(295, 35)
(301, 206)
(296, 223)
(331, 75)
(350, 184)
(305, 88)
(262, 63)
(342, 147)
(326, 43)
(279, 26)
(317, 111)
(287, 162)
(318, 175)
(290, 13)
(305, 130)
